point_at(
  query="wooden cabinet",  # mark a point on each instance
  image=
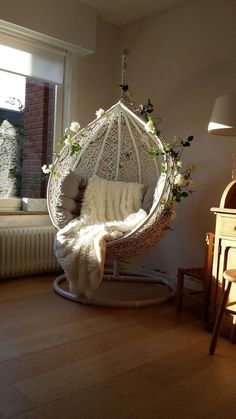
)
(224, 254)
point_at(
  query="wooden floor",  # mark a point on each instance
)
(59, 359)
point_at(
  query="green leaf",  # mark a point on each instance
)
(12, 174)
(153, 152)
(187, 176)
(167, 148)
(163, 168)
(60, 144)
(75, 148)
(174, 154)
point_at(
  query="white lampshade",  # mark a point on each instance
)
(223, 117)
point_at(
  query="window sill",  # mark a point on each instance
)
(10, 204)
(21, 212)
(23, 206)
(24, 218)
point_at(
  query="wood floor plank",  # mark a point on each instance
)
(81, 374)
(177, 366)
(58, 312)
(38, 362)
(34, 364)
(34, 332)
(98, 402)
(65, 360)
(228, 406)
(17, 288)
(193, 397)
(16, 347)
(12, 402)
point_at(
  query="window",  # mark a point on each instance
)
(32, 78)
(27, 111)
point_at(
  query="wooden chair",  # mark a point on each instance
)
(230, 278)
(202, 274)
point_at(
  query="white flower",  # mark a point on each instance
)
(68, 140)
(176, 140)
(150, 127)
(74, 127)
(100, 112)
(179, 163)
(47, 169)
(179, 180)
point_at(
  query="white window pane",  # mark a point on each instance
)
(11, 86)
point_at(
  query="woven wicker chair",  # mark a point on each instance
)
(115, 147)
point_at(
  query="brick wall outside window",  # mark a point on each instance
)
(38, 136)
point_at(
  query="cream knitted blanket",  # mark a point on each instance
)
(109, 210)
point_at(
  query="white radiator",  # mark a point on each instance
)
(26, 250)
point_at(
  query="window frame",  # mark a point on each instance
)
(65, 95)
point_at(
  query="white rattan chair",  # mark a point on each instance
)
(116, 147)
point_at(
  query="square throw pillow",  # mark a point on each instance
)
(148, 197)
(69, 203)
(72, 185)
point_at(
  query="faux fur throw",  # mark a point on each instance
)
(109, 210)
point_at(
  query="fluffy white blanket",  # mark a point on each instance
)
(109, 210)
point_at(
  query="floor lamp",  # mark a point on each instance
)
(223, 121)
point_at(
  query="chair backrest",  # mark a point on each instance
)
(114, 147)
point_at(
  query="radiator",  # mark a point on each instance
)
(26, 250)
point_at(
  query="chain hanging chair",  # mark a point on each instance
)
(116, 147)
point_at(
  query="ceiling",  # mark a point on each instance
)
(121, 12)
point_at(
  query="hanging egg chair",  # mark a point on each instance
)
(116, 147)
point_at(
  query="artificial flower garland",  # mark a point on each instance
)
(180, 180)
(70, 139)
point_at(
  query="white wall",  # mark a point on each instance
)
(98, 74)
(70, 21)
(96, 77)
(183, 59)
